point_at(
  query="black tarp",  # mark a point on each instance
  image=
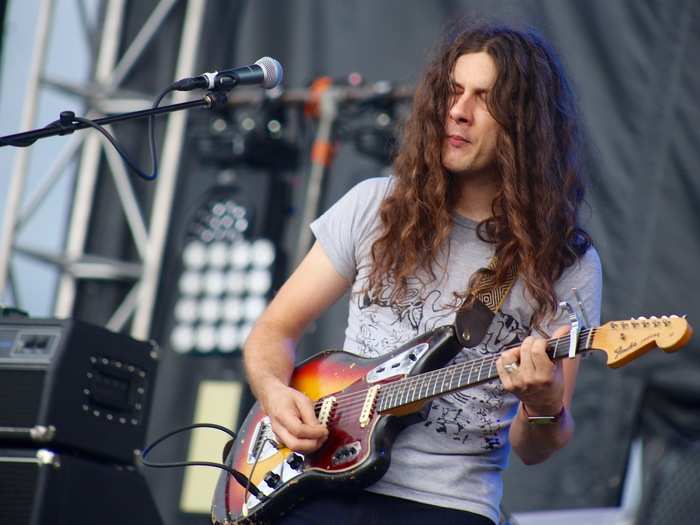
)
(635, 69)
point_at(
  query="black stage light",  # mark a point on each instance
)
(258, 137)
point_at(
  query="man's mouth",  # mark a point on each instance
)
(457, 140)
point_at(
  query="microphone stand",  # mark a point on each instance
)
(66, 123)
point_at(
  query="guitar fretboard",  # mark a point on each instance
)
(462, 375)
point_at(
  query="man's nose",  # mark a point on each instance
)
(462, 111)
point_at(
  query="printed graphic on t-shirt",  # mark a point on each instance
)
(420, 311)
(471, 414)
(455, 414)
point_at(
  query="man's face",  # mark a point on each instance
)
(471, 131)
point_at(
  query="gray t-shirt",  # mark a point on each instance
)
(455, 457)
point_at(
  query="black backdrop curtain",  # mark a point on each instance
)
(635, 70)
(634, 67)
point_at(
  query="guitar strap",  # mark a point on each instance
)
(483, 301)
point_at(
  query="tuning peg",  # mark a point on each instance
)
(641, 318)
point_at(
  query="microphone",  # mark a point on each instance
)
(266, 71)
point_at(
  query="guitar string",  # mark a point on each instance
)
(443, 373)
(437, 374)
(355, 405)
(354, 408)
(394, 389)
(398, 387)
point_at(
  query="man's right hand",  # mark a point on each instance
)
(293, 418)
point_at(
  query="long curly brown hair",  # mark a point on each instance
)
(534, 226)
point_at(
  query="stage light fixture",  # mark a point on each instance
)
(226, 280)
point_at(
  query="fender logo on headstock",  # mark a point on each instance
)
(621, 350)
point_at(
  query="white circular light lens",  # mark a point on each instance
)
(214, 282)
(227, 338)
(240, 255)
(206, 235)
(233, 310)
(206, 338)
(241, 225)
(259, 282)
(191, 283)
(182, 339)
(218, 209)
(235, 283)
(195, 255)
(263, 253)
(210, 310)
(253, 307)
(218, 254)
(186, 310)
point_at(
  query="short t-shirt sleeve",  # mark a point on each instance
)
(345, 229)
(586, 276)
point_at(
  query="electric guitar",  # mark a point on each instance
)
(366, 402)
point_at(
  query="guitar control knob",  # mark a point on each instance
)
(272, 479)
(295, 461)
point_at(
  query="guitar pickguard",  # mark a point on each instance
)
(399, 365)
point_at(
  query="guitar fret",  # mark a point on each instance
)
(416, 382)
(451, 378)
(402, 395)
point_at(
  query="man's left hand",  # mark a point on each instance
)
(529, 373)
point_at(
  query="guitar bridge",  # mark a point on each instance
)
(264, 443)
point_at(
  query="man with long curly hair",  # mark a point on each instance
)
(487, 171)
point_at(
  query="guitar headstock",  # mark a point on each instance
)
(626, 340)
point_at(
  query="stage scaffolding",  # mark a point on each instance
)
(102, 95)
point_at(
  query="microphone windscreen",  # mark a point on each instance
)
(272, 72)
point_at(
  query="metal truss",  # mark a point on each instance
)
(103, 95)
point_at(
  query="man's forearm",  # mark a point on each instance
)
(535, 443)
(268, 357)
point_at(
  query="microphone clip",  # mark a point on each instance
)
(216, 100)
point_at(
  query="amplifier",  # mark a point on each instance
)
(74, 386)
(41, 487)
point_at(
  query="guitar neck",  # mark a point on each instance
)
(459, 376)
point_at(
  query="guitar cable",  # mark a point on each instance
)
(241, 478)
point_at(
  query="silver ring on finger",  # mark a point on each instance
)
(511, 367)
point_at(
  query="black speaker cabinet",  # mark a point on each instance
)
(40, 487)
(73, 386)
